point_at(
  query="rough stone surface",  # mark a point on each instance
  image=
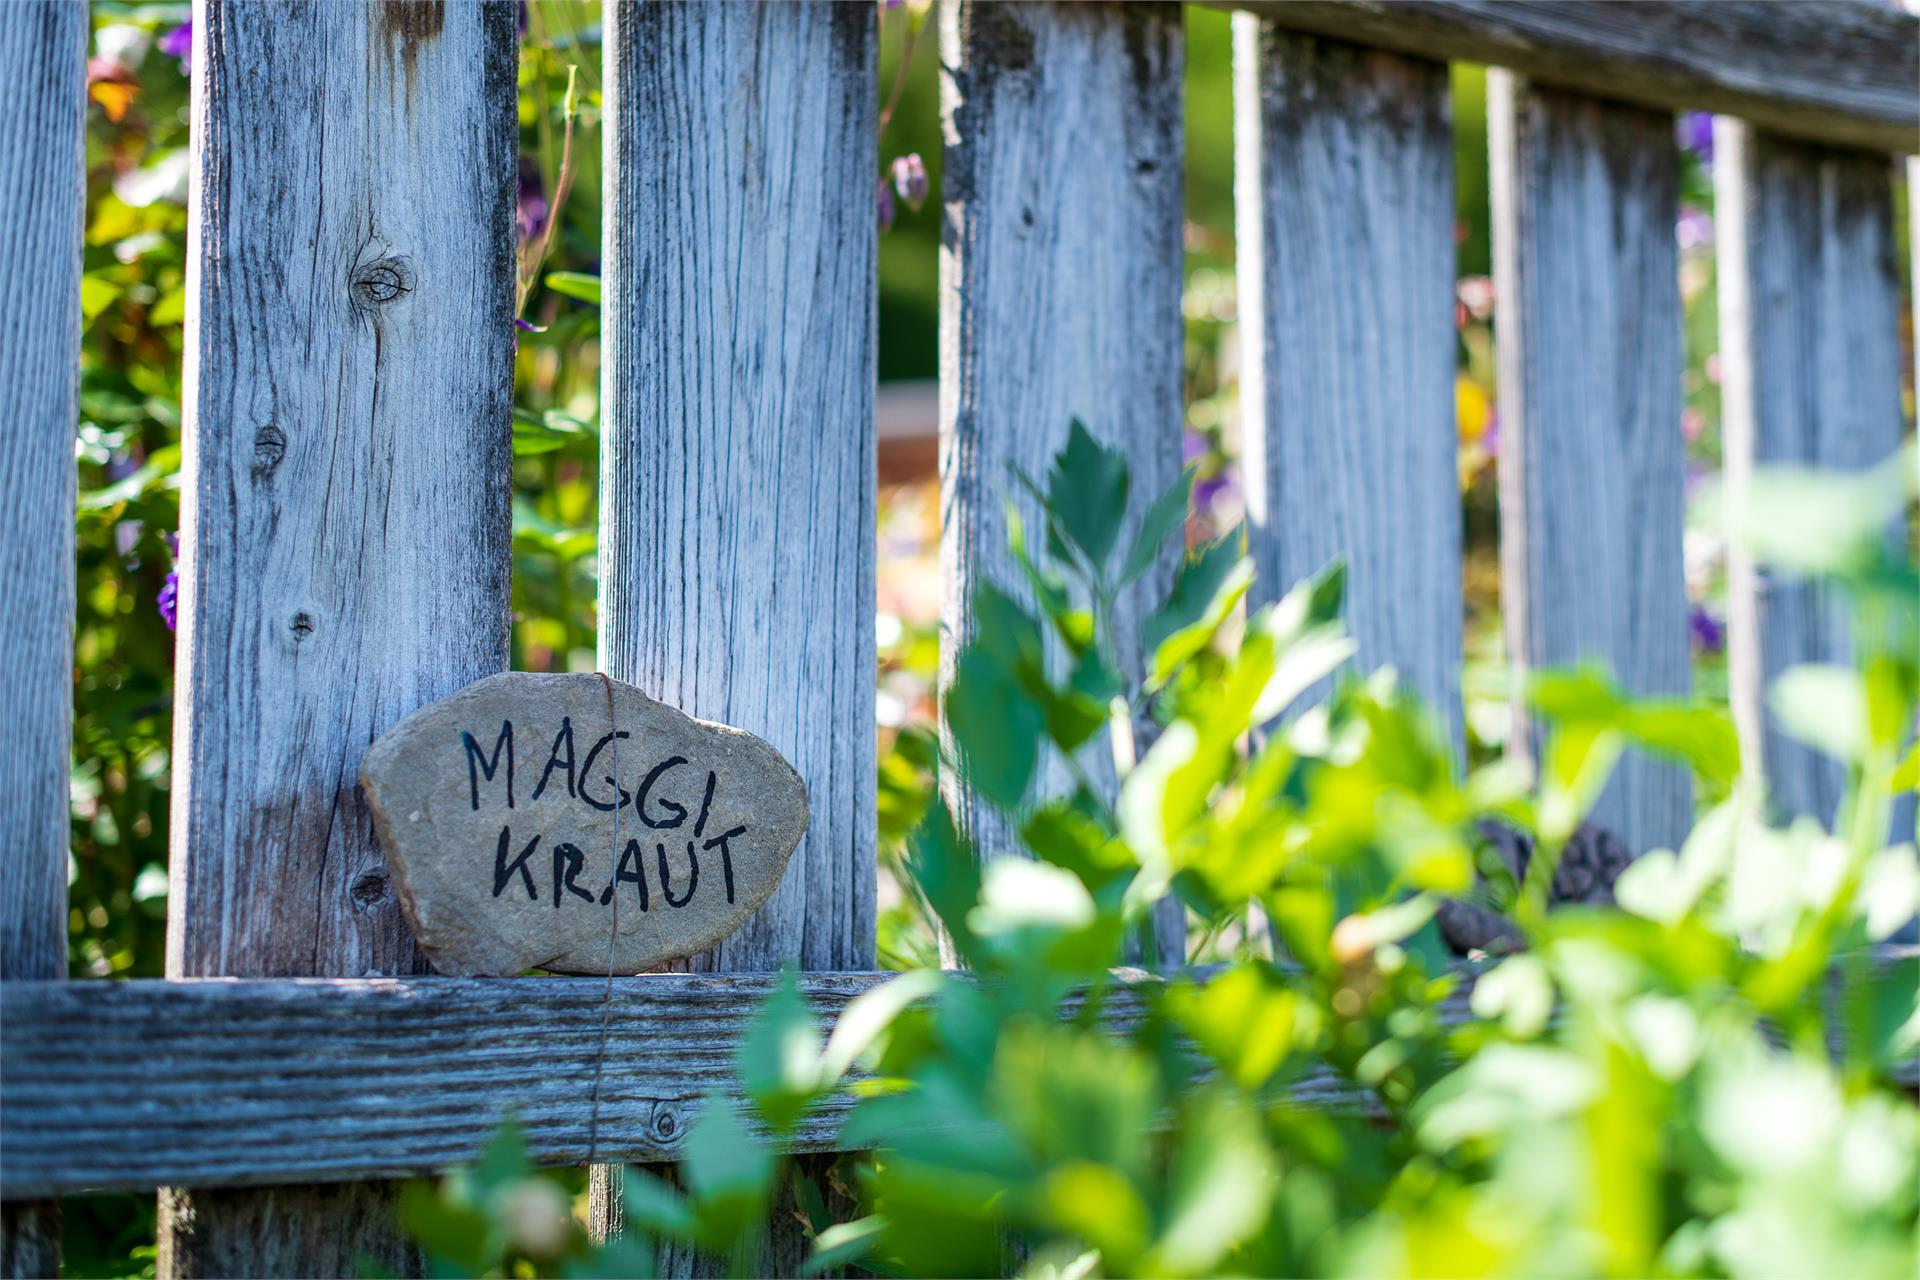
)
(497, 811)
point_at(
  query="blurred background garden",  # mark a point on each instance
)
(128, 441)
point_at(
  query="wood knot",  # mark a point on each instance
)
(301, 625)
(382, 281)
(666, 1126)
(269, 447)
(368, 891)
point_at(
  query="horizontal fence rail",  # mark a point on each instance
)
(1840, 73)
(234, 1082)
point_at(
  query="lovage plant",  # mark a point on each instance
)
(1701, 1080)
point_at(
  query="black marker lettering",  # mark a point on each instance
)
(726, 855)
(629, 855)
(477, 761)
(503, 870)
(568, 863)
(666, 881)
(706, 805)
(679, 811)
(565, 735)
(586, 771)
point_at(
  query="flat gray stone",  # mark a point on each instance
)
(529, 824)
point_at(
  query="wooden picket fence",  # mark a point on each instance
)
(345, 500)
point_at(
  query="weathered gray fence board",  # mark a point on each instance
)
(737, 458)
(1060, 294)
(737, 498)
(132, 1083)
(1842, 73)
(43, 55)
(1346, 268)
(345, 506)
(1591, 455)
(1810, 375)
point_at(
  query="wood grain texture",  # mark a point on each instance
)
(1591, 455)
(240, 1082)
(42, 162)
(737, 454)
(43, 54)
(1838, 72)
(737, 474)
(345, 512)
(1346, 267)
(1810, 376)
(1060, 297)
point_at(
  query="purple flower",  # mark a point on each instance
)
(178, 43)
(910, 179)
(1694, 131)
(884, 205)
(523, 19)
(530, 209)
(1695, 228)
(1708, 632)
(1193, 446)
(169, 598)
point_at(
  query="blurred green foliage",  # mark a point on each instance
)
(1666, 1087)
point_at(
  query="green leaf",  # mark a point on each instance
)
(1811, 521)
(1824, 706)
(844, 1244)
(654, 1207)
(575, 284)
(97, 293)
(1219, 1187)
(868, 1016)
(1204, 593)
(1087, 492)
(1167, 515)
(996, 727)
(778, 1056)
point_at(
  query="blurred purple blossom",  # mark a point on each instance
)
(910, 179)
(1207, 491)
(1193, 447)
(169, 598)
(1708, 632)
(523, 19)
(1694, 131)
(178, 43)
(531, 208)
(883, 200)
(1490, 438)
(1695, 228)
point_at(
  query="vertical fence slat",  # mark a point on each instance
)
(1591, 455)
(345, 505)
(1346, 269)
(42, 160)
(737, 498)
(1060, 291)
(1810, 368)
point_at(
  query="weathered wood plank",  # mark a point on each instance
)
(43, 56)
(1060, 295)
(1810, 375)
(1346, 267)
(737, 456)
(737, 450)
(1591, 455)
(1841, 73)
(242, 1082)
(345, 511)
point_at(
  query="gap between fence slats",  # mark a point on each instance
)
(1810, 376)
(1839, 73)
(1591, 456)
(737, 499)
(1346, 266)
(1060, 299)
(43, 54)
(344, 508)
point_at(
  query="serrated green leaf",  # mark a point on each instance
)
(1167, 514)
(1087, 492)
